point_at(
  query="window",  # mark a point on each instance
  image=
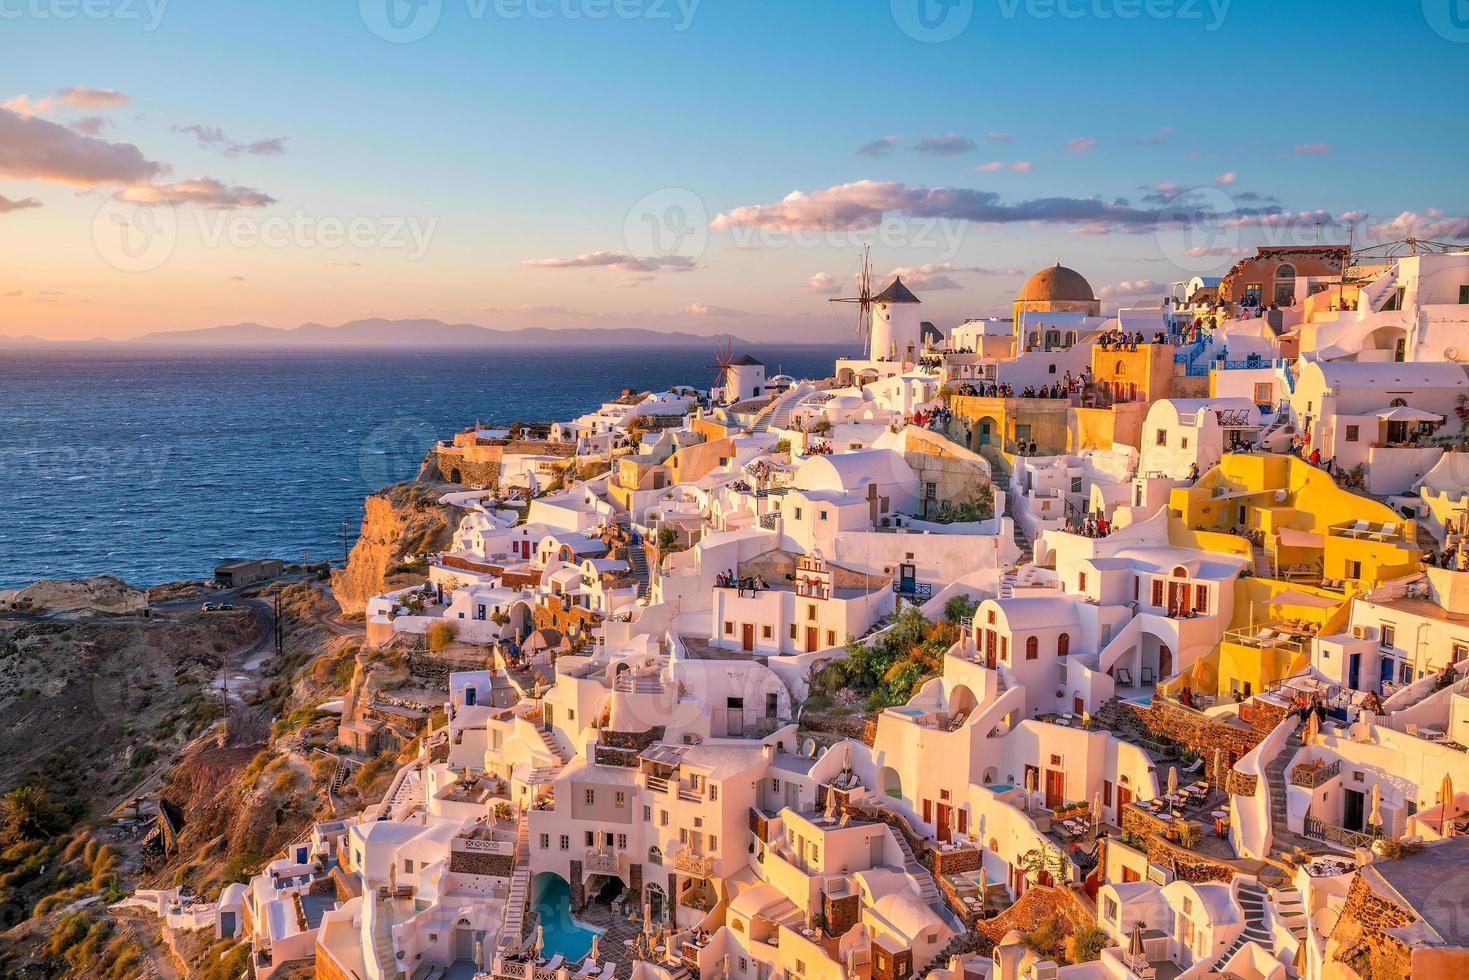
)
(767, 632)
(823, 515)
(991, 617)
(1161, 439)
(620, 799)
(1201, 598)
(1389, 634)
(713, 792)
(793, 631)
(1459, 652)
(930, 491)
(798, 513)
(811, 612)
(1081, 581)
(1353, 433)
(591, 838)
(622, 842)
(566, 842)
(591, 797)
(647, 814)
(713, 842)
(1109, 909)
(1464, 295)
(775, 785)
(1005, 648)
(728, 627)
(545, 842)
(1157, 592)
(1063, 644)
(1032, 648)
(1263, 393)
(831, 638)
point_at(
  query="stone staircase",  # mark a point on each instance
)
(928, 892)
(1252, 899)
(1283, 840)
(1262, 567)
(641, 684)
(1022, 541)
(1290, 909)
(637, 560)
(778, 415)
(382, 937)
(513, 927)
(548, 739)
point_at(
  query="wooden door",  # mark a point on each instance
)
(989, 649)
(943, 823)
(747, 636)
(1124, 797)
(812, 644)
(1055, 788)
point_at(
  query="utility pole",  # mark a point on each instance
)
(305, 565)
(344, 542)
(280, 633)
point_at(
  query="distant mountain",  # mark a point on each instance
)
(379, 333)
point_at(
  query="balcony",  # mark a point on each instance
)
(914, 592)
(600, 862)
(1311, 775)
(695, 865)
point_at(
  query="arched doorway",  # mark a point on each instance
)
(465, 938)
(1285, 283)
(454, 476)
(890, 782)
(1165, 662)
(654, 896)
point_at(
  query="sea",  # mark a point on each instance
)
(154, 465)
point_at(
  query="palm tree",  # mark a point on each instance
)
(27, 813)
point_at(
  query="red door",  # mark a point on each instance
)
(747, 636)
(1078, 706)
(811, 640)
(989, 649)
(1055, 788)
(1124, 797)
(943, 824)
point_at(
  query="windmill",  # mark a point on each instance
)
(863, 299)
(723, 358)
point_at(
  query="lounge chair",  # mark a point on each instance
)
(555, 962)
(1359, 527)
(1389, 530)
(1147, 674)
(607, 971)
(589, 968)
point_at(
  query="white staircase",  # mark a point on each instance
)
(1252, 898)
(548, 739)
(515, 905)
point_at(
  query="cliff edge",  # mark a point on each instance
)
(402, 521)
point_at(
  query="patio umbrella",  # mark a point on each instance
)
(479, 953)
(1219, 765)
(1403, 413)
(1172, 780)
(1374, 817)
(1135, 950)
(1313, 727)
(648, 918)
(1097, 809)
(1446, 797)
(540, 939)
(594, 952)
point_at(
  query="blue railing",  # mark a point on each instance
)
(1186, 354)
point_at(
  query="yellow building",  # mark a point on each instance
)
(1314, 547)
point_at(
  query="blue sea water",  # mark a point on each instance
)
(153, 465)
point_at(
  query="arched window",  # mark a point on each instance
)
(1063, 644)
(1032, 648)
(1285, 271)
(1180, 572)
(1120, 368)
(1398, 403)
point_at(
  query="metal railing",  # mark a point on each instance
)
(1332, 834)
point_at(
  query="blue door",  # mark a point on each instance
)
(1354, 671)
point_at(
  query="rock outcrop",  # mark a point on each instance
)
(402, 521)
(101, 594)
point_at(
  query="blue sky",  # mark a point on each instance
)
(501, 138)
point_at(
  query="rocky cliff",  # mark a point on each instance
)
(403, 521)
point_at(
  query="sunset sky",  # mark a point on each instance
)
(706, 166)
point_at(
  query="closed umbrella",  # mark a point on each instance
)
(1172, 781)
(1313, 727)
(1219, 765)
(1097, 810)
(594, 952)
(1135, 950)
(1446, 797)
(1374, 818)
(540, 940)
(648, 918)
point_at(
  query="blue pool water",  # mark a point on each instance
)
(563, 934)
(1146, 700)
(1001, 787)
(910, 712)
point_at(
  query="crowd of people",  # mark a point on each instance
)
(1069, 384)
(753, 584)
(1092, 526)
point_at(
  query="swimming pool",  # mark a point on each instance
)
(910, 712)
(1146, 700)
(551, 899)
(1000, 787)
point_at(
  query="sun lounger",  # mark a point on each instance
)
(607, 971)
(555, 962)
(589, 968)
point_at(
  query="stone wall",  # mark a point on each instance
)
(841, 913)
(476, 863)
(1361, 940)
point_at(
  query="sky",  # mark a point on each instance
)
(714, 166)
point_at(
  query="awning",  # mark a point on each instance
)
(1295, 538)
(1403, 413)
(1294, 597)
